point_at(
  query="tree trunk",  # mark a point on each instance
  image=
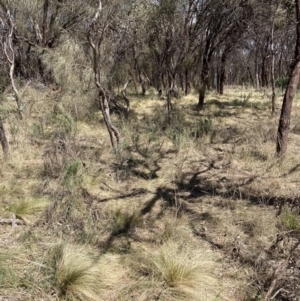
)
(285, 116)
(256, 71)
(187, 82)
(3, 140)
(222, 74)
(204, 83)
(250, 76)
(273, 64)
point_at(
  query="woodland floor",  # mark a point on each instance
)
(207, 184)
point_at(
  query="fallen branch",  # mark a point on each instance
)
(11, 221)
(279, 271)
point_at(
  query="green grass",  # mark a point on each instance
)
(28, 209)
(290, 220)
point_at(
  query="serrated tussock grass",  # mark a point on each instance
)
(28, 209)
(80, 275)
(178, 272)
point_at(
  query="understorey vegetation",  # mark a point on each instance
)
(145, 150)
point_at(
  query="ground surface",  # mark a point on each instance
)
(205, 190)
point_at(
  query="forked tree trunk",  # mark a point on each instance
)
(95, 43)
(3, 140)
(285, 116)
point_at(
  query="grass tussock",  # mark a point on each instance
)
(28, 209)
(178, 273)
(81, 276)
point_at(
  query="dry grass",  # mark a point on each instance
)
(28, 210)
(184, 211)
(80, 276)
(176, 272)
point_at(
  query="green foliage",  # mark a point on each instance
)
(67, 64)
(4, 82)
(71, 176)
(64, 125)
(56, 125)
(203, 126)
(179, 138)
(290, 220)
(121, 220)
(8, 275)
(283, 82)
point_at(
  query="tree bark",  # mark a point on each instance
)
(3, 139)
(285, 116)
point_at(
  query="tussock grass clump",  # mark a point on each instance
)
(78, 275)
(120, 219)
(59, 157)
(178, 274)
(28, 209)
(175, 229)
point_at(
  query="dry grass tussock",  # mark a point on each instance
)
(81, 276)
(175, 272)
(192, 208)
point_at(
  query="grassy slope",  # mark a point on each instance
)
(204, 191)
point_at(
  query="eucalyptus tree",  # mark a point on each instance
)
(285, 116)
(224, 23)
(172, 40)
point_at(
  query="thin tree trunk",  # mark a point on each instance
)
(95, 45)
(187, 82)
(256, 71)
(273, 64)
(204, 83)
(222, 75)
(285, 116)
(9, 54)
(250, 76)
(3, 139)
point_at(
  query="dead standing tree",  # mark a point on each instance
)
(95, 36)
(8, 50)
(285, 116)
